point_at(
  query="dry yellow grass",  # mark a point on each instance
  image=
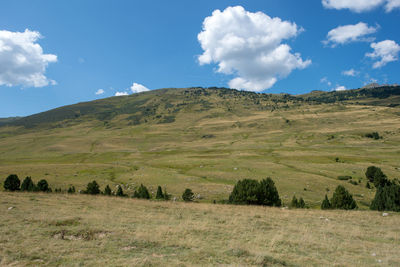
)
(80, 230)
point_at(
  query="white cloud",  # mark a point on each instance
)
(350, 72)
(385, 51)
(354, 5)
(392, 4)
(249, 46)
(138, 88)
(340, 88)
(100, 92)
(121, 93)
(22, 61)
(325, 80)
(350, 33)
(361, 5)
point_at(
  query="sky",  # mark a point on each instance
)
(56, 53)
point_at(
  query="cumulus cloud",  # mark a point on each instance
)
(385, 52)
(340, 88)
(249, 46)
(392, 4)
(350, 72)
(100, 92)
(350, 33)
(22, 61)
(121, 93)
(354, 5)
(361, 5)
(138, 88)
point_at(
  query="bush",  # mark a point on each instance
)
(166, 195)
(294, 203)
(92, 188)
(326, 204)
(159, 194)
(344, 177)
(368, 186)
(373, 135)
(252, 192)
(188, 195)
(342, 199)
(141, 192)
(120, 193)
(28, 185)
(71, 190)
(387, 198)
(107, 190)
(302, 204)
(43, 186)
(12, 183)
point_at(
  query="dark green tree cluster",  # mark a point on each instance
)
(298, 203)
(373, 135)
(71, 190)
(141, 192)
(341, 199)
(12, 183)
(162, 195)
(387, 196)
(252, 192)
(188, 195)
(92, 188)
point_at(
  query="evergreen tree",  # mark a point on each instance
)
(71, 189)
(92, 188)
(302, 204)
(141, 192)
(107, 190)
(188, 195)
(166, 195)
(12, 183)
(43, 186)
(294, 203)
(376, 176)
(387, 198)
(120, 193)
(268, 194)
(28, 185)
(342, 199)
(159, 194)
(326, 205)
(245, 192)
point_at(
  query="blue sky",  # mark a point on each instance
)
(110, 45)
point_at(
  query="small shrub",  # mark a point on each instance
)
(188, 195)
(368, 185)
(373, 135)
(302, 204)
(353, 182)
(12, 183)
(159, 194)
(141, 192)
(28, 185)
(342, 199)
(166, 195)
(294, 203)
(43, 186)
(344, 177)
(92, 188)
(107, 190)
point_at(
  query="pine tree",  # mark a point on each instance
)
(120, 193)
(71, 189)
(28, 185)
(107, 190)
(294, 203)
(387, 198)
(159, 194)
(342, 199)
(302, 204)
(141, 192)
(188, 195)
(326, 205)
(12, 183)
(166, 195)
(43, 186)
(268, 194)
(92, 188)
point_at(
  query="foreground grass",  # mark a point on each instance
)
(77, 230)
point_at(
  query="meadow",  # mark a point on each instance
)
(80, 230)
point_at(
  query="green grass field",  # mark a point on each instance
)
(212, 142)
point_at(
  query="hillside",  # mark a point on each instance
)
(207, 139)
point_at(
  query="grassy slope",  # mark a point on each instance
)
(215, 140)
(88, 231)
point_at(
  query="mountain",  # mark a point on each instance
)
(208, 138)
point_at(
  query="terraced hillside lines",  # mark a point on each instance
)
(216, 137)
(89, 230)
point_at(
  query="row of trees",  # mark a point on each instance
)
(12, 183)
